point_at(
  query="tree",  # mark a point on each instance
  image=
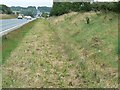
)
(5, 10)
(46, 15)
(60, 8)
(86, 6)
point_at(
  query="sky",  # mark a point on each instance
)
(25, 3)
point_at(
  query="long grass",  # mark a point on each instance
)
(95, 43)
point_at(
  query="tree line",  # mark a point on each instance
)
(27, 11)
(5, 9)
(44, 9)
(60, 8)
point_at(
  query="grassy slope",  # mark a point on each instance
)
(93, 47)
(99, 35)
(66, 52)
(5, 16)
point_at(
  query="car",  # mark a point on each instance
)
(20, 17)
(28, 17)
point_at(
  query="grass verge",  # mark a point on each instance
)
(11, 40)
(66, 52)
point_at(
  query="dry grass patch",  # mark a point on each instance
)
(6, 16)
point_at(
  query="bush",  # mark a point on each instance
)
(60, 8)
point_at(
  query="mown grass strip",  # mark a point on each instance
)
(11, 40)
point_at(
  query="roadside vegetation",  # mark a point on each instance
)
(11, 40)
(60, 8)
(64, 51)
(76, 47)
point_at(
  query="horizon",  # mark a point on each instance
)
(22, 3)
(28, 6)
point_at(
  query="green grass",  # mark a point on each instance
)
(84, 36)
(11, 40)
(66, 52)
(96, 42)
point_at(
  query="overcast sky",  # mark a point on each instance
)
(25, 3)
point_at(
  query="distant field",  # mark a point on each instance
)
(5, 16)
(64, 52)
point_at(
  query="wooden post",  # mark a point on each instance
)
(87, 20)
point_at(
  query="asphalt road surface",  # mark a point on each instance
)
(10, 24)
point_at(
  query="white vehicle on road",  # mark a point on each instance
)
(28, 17)
(20, 17)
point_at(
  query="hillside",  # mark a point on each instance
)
(66, 52)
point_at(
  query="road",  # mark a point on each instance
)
(11, 24)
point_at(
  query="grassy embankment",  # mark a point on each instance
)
(7, 16)
(66, 52)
